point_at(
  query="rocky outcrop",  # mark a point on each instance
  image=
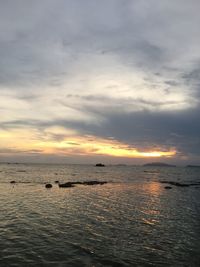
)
(48, 185)
(68, 184)
(100, 165)
(94, 182)
(179, 184)
(72, 184)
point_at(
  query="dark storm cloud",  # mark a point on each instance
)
(181, 130)
(143, 129)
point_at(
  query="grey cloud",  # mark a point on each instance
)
(93, 103)
(172, 83)
(45, 44)
(180, 130)
(48, 37)
(142, 130)
(19, 123)
(191, 77)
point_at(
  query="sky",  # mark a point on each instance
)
(116, 81)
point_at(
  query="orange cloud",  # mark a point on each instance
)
(76, 145)
(90, 145)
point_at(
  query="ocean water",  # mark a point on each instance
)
(131, 221)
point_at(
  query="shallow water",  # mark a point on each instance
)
(131, 221)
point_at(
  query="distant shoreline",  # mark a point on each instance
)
(151, 164)
(158, 164)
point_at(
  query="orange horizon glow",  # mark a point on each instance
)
(75, 145)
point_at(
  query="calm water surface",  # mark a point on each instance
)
(132, 221)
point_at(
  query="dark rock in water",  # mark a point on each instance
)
(48, 185)
(178, 184)
(56, 182)
(68, 184)
(72, 184)
(12, 182)
(168, 187)
(77, 183)
(94, 182)
(100, 165)
(193, 166)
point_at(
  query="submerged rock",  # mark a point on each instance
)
(193, 166)
(72, 184)
(100, 165)
(94, 182)
(168, 187)
(48, 186)
(68, 184)
(179, 184)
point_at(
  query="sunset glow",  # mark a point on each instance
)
(75, 145)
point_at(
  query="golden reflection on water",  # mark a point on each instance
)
(151, 208)
(153, 188)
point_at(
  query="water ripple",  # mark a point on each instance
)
(133, 221)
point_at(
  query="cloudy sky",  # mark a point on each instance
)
(110, 80)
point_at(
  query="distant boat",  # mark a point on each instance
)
(100, 165)
(158, 164)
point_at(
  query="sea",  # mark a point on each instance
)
(133, 220)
